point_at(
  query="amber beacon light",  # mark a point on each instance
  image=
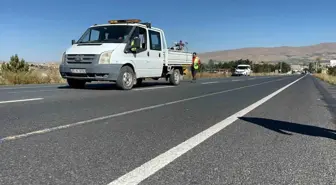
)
(124, 21)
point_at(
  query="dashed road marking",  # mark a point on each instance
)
(151, 88)
(21, 100)
(204, 83)
(16, 92)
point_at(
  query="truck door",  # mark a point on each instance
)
(140, 60)
(156, 57)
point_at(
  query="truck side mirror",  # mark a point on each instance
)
(73, 42)
(135, 44)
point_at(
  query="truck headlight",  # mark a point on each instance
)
(105, 57)
(63, 58)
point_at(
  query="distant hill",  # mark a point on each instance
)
(326, 51)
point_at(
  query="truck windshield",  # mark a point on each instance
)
(105, 34)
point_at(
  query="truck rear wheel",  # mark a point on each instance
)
(126, 78)
(174, 78)
(74, 83)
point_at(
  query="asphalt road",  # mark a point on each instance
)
(242, 130)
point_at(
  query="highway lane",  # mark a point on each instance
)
(32, 86)
(289, 145)
(284, 141)
(52, 88)
(27, 93)
(16, 92)
(72, 105)
(101, 152)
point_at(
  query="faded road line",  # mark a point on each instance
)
(151, 167)
(149, 88)
(91, 121)
(22, 100)
(210, 82)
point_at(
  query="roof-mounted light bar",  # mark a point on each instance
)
(124, 21)
(149, 25)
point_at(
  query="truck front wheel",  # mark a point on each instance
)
(78, 84)
(126, 78)
(174, 78)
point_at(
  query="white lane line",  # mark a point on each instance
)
(92, 121)
(251, 78)
(149, 88)
(22, 100)
(332, 89)
(149, 168)
(237, 80)
(210, 82)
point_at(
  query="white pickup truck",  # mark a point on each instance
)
(122, 51)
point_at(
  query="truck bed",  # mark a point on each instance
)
(179, 58)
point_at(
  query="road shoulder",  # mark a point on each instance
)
(328, 93)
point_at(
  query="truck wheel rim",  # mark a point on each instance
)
(127, 78)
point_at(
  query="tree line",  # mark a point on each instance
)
(316, 67)
(16, 65)
(261, 67)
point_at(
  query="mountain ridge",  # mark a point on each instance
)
(291, 54)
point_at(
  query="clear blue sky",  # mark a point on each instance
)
(40, 30)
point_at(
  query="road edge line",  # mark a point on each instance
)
(149, 168)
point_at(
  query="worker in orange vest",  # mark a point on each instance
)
(196, 62)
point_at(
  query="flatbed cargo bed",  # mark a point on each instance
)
(179, 58)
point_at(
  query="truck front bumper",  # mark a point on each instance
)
(90, 72)
(239, 73)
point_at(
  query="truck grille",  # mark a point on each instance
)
(81, 59)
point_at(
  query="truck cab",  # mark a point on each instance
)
(122, 51)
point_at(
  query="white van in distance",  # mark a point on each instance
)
(122, 51)
(242, 69)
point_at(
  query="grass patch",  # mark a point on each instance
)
(327, 78)
(49, 76)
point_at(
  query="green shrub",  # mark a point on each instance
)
(15, 65)
(332, 71)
